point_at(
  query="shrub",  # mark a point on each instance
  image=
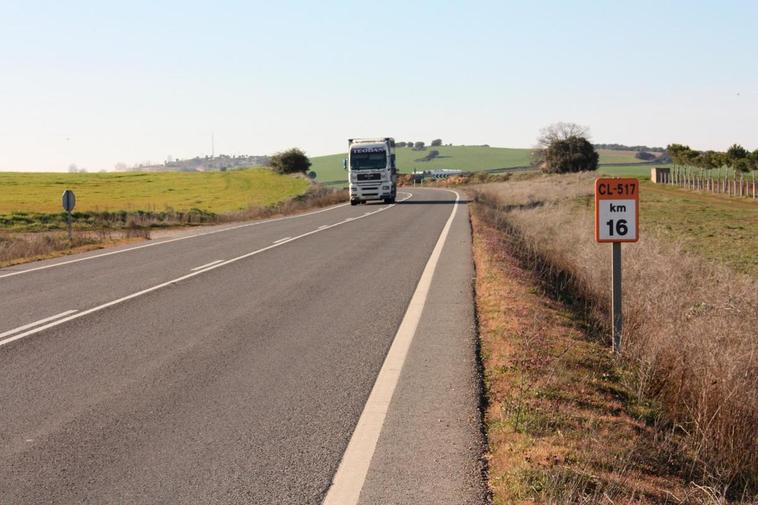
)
(430, 155)
(644, 155)
(291, 161)
(574, 154)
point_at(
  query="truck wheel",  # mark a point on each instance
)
(389, 200)
(353, 202)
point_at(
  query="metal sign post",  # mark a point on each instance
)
(616, 296)
(617, 218)
(68, 199)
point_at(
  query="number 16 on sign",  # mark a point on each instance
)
(617, 218)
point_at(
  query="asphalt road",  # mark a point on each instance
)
(232, 366)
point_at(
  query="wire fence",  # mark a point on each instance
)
(723, 180)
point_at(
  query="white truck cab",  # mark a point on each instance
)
(372, 172)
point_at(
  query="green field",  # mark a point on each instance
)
(718, 227)
(641, 171)
(216, 192)
(467, 158)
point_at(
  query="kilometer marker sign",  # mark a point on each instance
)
(617, 220)
(617, 210)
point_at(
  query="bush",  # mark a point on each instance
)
(574, 154)
(292, 161)
(430, 155)
(644, 155)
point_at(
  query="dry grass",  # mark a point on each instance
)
(17, 248)
(561, 425)
(689, 334)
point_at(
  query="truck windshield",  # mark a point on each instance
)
(367, 161)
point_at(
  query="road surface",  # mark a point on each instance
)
(233, 364)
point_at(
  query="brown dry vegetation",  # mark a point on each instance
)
(689, 335)
(561, 425)
(18, 248)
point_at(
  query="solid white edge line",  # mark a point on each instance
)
(35, 323)
(168, 241)
(206, 265)
(178, 279)
(351, 474)
(281, 240)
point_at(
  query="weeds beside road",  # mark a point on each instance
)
(690, 361)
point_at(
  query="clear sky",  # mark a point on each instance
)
(96, 83)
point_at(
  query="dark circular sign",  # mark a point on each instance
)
(69, 200)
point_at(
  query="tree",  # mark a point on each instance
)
(400, 144)
(291, 161)
(573, 154)
(72, 168)
(709, 160)
(430, 155)
(737, 152)
(436, 142)
(644, 155)
(682, 155)
(561, 131)
(419, 146)
(742, 165)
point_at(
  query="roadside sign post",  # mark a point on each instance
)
(68, 200)
(616, 295)
(617, 219)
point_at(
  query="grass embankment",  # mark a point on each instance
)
(467, 158)
(673, 420)
(562, 427)
(32, 201)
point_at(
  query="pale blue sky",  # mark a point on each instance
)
(96, 83)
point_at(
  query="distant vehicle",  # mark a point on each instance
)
(371, 170)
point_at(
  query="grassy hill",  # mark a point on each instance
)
(468, 158)
(156, 191)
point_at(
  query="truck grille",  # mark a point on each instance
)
(369, 177)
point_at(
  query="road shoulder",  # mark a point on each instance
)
(431, 446)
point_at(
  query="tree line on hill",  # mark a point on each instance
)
(622, 147)
(419, 145)
(736, 157)
(642, 153)
(564, 147)
(220, 162)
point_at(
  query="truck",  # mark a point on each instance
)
(372, 173)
